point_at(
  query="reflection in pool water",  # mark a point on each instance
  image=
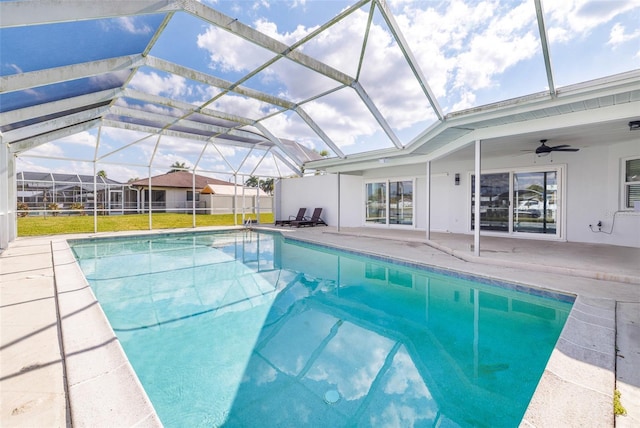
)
(247, 329)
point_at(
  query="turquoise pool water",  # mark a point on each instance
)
(249, 329)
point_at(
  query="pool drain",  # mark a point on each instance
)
(331, 396)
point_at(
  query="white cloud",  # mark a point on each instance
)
(82, 138)
(47, 150)
(128, 24)
(228, 52)
(243, 106)
(571, 19)
(469, 46)
(152, 83)
(618, 35)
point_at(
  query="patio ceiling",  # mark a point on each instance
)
(143, 84)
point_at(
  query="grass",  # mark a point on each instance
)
(40, 225)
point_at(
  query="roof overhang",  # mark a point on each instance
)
(584, 113)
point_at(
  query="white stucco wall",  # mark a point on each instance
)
(592, 192)
(320, 191)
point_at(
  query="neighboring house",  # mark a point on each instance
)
(179, 191)
(39, 189)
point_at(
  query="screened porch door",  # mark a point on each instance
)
(116, 205)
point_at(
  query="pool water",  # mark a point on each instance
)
(251, 329)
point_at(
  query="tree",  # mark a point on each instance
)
(251, 181)
(267, 186)
(264, 185)
(102, 173)
(324, 153)
(178, 166)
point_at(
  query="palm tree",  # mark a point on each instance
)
(251, 181)
(178, 166)
(102, 173)
(267, 186)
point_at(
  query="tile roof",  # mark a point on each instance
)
(179, 179)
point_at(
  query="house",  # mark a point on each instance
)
(589, 195)
(36, 190)
(181, 191)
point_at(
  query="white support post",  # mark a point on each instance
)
(193, 198)
(150, 202)
(235, 199)
(428, 202)
(476, 211)
(95, 198)
(338, 202)
(257, 204)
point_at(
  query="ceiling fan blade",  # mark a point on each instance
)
(555, 149)
(561, 146)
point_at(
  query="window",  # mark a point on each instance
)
(631, 182)
(389, 202)
(190, 196)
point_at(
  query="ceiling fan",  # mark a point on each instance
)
(545, 150)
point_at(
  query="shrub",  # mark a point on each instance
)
(22, 206)
(54, 208)
(77, 206)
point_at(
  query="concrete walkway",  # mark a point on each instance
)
(32, 384)
(32, 373)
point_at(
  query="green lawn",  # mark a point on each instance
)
(40, 225)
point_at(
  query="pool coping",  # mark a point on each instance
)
(96, 364)
(576, 387)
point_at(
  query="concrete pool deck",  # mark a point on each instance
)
(598, 351)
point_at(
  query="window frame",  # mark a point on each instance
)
(561, 224)
(624, 184)
(190, 195)
(387, 184)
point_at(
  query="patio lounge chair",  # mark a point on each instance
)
(299, 217)
(315, 220)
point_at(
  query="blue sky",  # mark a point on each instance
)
(471, 52)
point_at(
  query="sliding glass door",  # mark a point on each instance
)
(390, 202)
(494, 202)
(518, 202)
(535, 198)
(376, 203)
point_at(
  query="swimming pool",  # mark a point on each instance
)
(246, 328)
